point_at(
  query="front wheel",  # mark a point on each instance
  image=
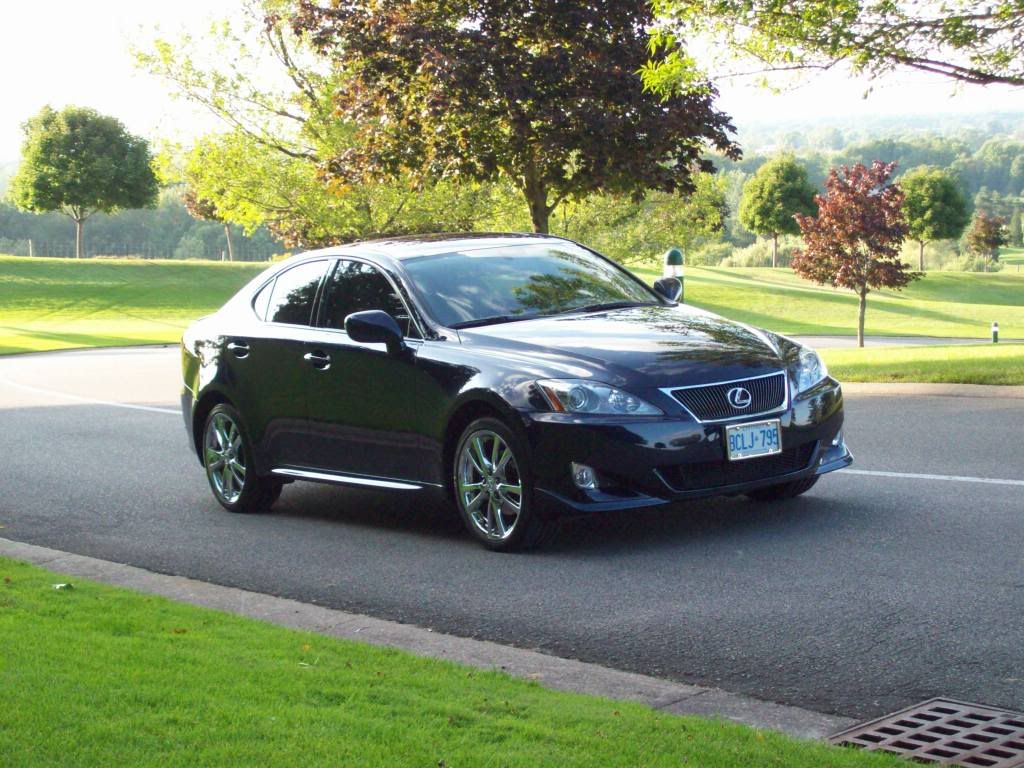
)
(494, 490)
(227, 457)
(783, 490)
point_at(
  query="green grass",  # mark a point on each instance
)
(98, 676)
(970, 364)
(955, 304)
(61, 303)
(1013, 259)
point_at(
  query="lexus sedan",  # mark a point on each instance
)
(522, 377)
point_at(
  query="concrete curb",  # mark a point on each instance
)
(550, 671)
(935, 390)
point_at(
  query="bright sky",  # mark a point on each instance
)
(63, 52)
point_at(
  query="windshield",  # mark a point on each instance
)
(518, 282)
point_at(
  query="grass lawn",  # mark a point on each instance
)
(1013, 259)
(60, 303)
(956, 304)
(982, 364)
(98, 676)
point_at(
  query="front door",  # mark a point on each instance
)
(370, 412)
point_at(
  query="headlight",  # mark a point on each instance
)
(810, 369)
(578, 396)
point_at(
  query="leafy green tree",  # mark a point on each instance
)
(934, 206)
(959, 39)
(204, 209)
(987, 235)
(772, 197)
(275, 94)
(854, 241)
(542, 93)
(1016, 237)
(78, 161)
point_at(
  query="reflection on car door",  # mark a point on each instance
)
(370, 411)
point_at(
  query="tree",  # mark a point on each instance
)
(771, 198)
(78, 161)
(205, 209)
(1016, 237)
(959, 39)
(987, 235)
(854, 241)
(543, 93)
(934, 206)
(275, 95)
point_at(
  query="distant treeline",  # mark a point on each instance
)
(165, 232)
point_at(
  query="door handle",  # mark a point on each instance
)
(319, 360)
(238, 348)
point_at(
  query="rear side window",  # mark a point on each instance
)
(356, 287)
(294, 292)
(262, 300)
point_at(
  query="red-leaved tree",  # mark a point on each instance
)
(854, 241)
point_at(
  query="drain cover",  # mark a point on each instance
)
(946, 732)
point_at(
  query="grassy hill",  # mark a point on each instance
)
(59, 303)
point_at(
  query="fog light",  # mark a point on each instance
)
(584, 477)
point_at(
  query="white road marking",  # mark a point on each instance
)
(91, 401)
(920, 476)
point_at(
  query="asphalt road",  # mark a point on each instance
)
(870, 593)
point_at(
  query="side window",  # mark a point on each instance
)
(291, 300)
(357, 287)
(262, 300)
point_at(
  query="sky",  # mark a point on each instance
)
(62, 52)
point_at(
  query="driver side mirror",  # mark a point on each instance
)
(669, 287)
(375, 327)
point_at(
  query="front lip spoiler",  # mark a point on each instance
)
(602, 502)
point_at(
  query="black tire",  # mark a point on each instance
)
(226, 453)
(783, 491)
(488, 521)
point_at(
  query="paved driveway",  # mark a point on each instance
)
(877, 589)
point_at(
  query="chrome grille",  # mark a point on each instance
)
(710, 402)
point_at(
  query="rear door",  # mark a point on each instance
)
(269, 377)
(371, 413)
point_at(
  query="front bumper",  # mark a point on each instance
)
(646, 462)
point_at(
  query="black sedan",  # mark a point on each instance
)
(521, 376)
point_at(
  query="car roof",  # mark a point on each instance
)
(405, 247)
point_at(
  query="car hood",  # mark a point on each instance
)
(643, 346)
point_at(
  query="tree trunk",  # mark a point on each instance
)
(860, 317)
(227, 236)
(775, 249)
(78, 237)
(537, 199)
(920, 256)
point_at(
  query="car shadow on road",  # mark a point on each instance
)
(698, 523)
(674, 526)
(411, 513)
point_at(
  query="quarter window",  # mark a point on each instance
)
(294, 293)
(358, 287)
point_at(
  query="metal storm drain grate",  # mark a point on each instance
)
(946, 732)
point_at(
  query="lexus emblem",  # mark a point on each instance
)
(739, 398)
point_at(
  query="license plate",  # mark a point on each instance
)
(759, 438)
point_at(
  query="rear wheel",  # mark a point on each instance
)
(227, 457)
(783, 490)
(494, 490)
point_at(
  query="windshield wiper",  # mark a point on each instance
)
(492, 320)
(609, 305)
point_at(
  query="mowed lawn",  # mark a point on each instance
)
(62, 303)
(956, 304)
(100, 676)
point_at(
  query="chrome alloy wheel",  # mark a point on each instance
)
(489, 487)
(224, 457)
